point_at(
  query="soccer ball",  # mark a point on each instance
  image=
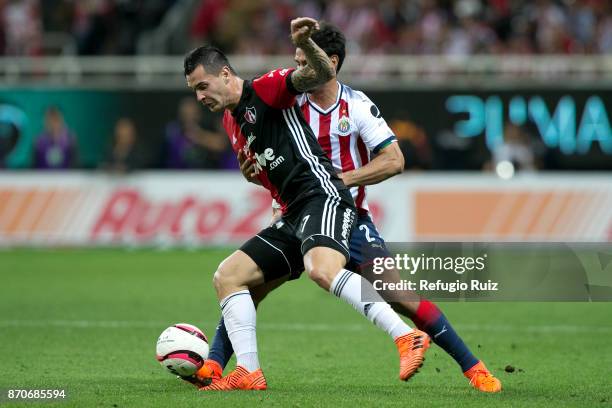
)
(182, 349)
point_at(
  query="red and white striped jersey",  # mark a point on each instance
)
(349, 131)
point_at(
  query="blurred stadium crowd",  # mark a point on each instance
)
(193, 141)
(461, 27)
(188, 142)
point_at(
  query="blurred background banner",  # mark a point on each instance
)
(82, 209)
(557, 128)
(469, 207)
(149, 209)
(90, 113)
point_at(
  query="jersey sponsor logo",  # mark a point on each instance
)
(267, 159)
(250, 139)
(344, 126)
(250, 115)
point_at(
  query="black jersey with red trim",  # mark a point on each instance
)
(267, 124)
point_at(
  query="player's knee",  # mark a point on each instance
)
(321, 276)
(217, 281)
(222, 277)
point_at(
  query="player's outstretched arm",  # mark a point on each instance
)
(387, 163)
(319, 68)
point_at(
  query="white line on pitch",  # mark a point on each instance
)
(145, 324)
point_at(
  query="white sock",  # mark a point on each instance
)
(239, 315)
(349, 286)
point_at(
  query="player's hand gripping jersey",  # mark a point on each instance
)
(268, 125)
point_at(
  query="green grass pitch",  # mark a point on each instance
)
(87, 321)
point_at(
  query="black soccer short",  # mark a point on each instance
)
(322, 221)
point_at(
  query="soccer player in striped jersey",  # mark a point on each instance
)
(363, 149)
(264, 122)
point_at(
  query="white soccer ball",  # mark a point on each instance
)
(182, 349)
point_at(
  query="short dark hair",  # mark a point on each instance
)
(210, 57)
(331, 40)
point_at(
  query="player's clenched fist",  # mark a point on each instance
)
(302, 28)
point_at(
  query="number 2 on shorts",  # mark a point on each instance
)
(365, 228)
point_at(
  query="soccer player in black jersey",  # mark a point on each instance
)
(325, 108)
(262, 119)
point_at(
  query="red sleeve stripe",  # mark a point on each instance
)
(272, 89)
(324, 137)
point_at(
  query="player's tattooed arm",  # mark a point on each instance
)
(318, 71)
(319, 68)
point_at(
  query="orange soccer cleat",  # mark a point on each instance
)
(482, 379)
(239, 379)
(210, 372)
(412, 348)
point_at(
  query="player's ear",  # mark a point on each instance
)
(335, 60)
(225, 74)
